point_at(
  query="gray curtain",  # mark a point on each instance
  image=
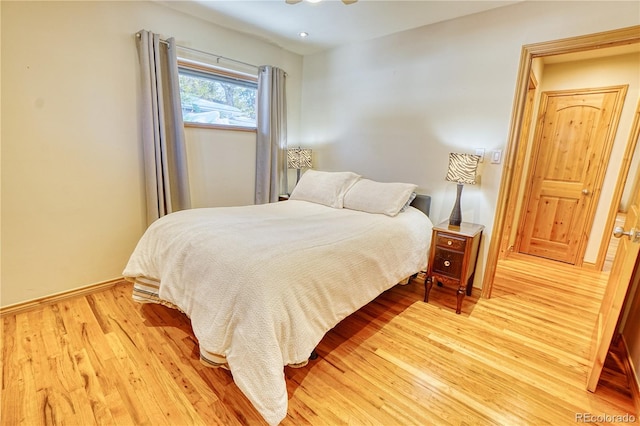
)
(271, 149)
(165, 160)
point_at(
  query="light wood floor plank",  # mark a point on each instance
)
(519, 358)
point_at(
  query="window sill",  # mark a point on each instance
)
(220, 127)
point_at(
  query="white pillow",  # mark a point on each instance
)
(326, 188)
(377, 197)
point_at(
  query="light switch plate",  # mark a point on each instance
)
(496, 156)
(480, 153)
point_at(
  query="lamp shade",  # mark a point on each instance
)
(298, 158)
(462, 168)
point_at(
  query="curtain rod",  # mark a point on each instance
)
(218, 57)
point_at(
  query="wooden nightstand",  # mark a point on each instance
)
(453, 258)
(283, 197)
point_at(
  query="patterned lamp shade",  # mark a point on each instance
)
(462, 168)
(298, 158)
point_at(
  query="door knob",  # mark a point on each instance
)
(633, 234)
(585, 191)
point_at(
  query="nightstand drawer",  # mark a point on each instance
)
(450, 241)
(448, 262)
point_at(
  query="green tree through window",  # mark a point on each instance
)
(209, 97)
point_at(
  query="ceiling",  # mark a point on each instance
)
(329, 23)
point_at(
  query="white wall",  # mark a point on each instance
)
(221, 167)
(73, 196)
(393, 108)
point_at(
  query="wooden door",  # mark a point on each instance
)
(622, 271)
(571, 151)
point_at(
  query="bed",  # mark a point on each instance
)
(262, 284)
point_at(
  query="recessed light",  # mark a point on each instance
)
(303, 34)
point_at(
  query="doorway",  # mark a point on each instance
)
(613, 43)
(518, 150)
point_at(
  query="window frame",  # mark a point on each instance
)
(209, 69)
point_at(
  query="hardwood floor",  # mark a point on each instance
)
(516, 359)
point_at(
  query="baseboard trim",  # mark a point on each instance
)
(590, 266)
(632, 376)
(55, 298)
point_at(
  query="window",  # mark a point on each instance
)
(214, 98)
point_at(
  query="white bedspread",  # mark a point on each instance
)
(263, 284)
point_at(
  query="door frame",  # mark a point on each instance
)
(508, 191)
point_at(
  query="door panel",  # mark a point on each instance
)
(624, 265)
(572, 146)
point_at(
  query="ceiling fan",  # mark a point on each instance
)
(317, 1)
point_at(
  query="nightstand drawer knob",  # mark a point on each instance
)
(447, 263)
(449, 243)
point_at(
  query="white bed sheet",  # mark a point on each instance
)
(262, 284)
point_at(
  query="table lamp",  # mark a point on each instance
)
(298, 158)
(462, 169)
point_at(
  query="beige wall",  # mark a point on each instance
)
(393, 108)
(73, 197)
